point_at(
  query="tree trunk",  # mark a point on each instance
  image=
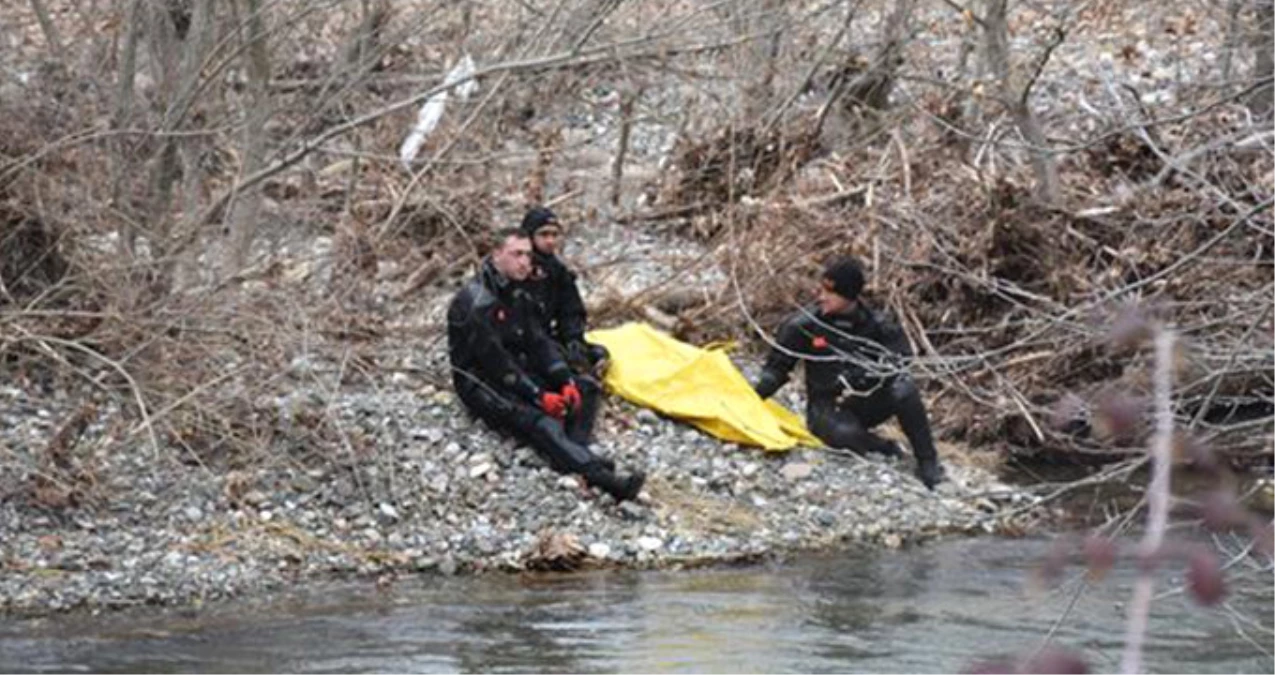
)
(622, 149)
(1260, 101)
(756, 61)
(178, 39)
(1018, 97)
(50, 30)
(1233, 37)
(123, 117)
(247, 207)
(894, 34)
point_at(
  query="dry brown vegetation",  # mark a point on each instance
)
(196, 196)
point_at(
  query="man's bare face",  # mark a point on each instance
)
(513, 258)
(547, 239)
(830, 301)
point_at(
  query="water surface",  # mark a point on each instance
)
(934, 608)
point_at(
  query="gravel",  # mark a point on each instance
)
(445, 495)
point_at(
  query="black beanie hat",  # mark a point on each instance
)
(846, 276)
(537, 218)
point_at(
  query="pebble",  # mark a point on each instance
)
(599, 550)
(650, 543)
(795, 471)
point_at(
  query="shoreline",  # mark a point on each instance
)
(437, 493)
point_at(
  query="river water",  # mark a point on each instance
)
(935, 608)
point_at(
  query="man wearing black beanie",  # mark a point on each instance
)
(553, 287)
(856, 372)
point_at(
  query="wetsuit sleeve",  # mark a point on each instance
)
(780, 361)
(572, 317)
(493, 360)
(892, 336)
(545, 351)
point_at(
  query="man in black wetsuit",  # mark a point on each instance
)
(553, 287)
(856, 375)
(507, 371)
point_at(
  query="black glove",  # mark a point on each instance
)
(929, 472)
(578, 355)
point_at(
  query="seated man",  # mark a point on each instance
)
(854, 379)
(509, 373)
(553, 287)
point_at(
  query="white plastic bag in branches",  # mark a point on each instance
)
(432, 110)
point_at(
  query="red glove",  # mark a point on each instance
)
(553, 404)
(571, 396)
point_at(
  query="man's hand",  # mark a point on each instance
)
(571, 396)
(578, 355)
(553, 404)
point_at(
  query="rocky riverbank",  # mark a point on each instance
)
(384, 475)
(425, 489)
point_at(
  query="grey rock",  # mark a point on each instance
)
(795, 471)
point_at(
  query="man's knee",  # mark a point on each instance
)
(503, 413)
(839, 433)
(904, 387)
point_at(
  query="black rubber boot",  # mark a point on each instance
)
(621, 488)
(887, 448)
(929, 472)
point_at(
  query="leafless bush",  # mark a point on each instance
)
(210, 196)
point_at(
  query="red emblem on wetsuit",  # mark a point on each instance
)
(820, 342)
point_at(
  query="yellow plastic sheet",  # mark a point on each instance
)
(699, 386)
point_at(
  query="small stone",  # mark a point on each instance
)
(447, 567)
(255, 498)
(599, 550)
(388, 511)
(192, 513)
(650, 543)
(749, 469)
(479, 470)
(630, 510)
(796, 471)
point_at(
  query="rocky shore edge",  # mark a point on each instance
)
(424, 489)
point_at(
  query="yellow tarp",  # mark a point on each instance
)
(700, 386)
